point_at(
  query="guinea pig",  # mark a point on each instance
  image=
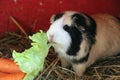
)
(80, 39)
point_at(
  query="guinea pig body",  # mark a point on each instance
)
(80, 40)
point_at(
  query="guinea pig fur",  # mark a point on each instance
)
(80, 39)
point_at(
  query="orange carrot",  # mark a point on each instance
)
(13, 76)
(3, 74)
(9, 66)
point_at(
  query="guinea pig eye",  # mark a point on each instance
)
(66, 27)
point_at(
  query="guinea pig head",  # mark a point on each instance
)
(57, 36)
(67, 30)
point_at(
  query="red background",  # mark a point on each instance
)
(35, 14)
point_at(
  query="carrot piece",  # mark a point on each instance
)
(9, 66)
(3, 74)
(13, 76)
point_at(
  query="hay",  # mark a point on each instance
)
(106, 69)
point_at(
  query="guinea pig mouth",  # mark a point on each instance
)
(51, 42)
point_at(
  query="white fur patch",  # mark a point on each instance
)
(61, 39)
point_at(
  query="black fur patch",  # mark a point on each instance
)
(79, 20)
(85, 25)
(76, 32)
(57, 16)
(76, 37)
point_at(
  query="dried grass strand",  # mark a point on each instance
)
(18, 25)
(56, 61)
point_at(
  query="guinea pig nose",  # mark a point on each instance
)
(51, 38)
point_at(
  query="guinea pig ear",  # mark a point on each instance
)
(55, 17)
(79, 21)
(84, 23)
(52, 19)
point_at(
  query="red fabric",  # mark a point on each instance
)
(35, 14)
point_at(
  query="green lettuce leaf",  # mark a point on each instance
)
(31, 61)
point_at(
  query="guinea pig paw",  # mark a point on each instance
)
(79, 69)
